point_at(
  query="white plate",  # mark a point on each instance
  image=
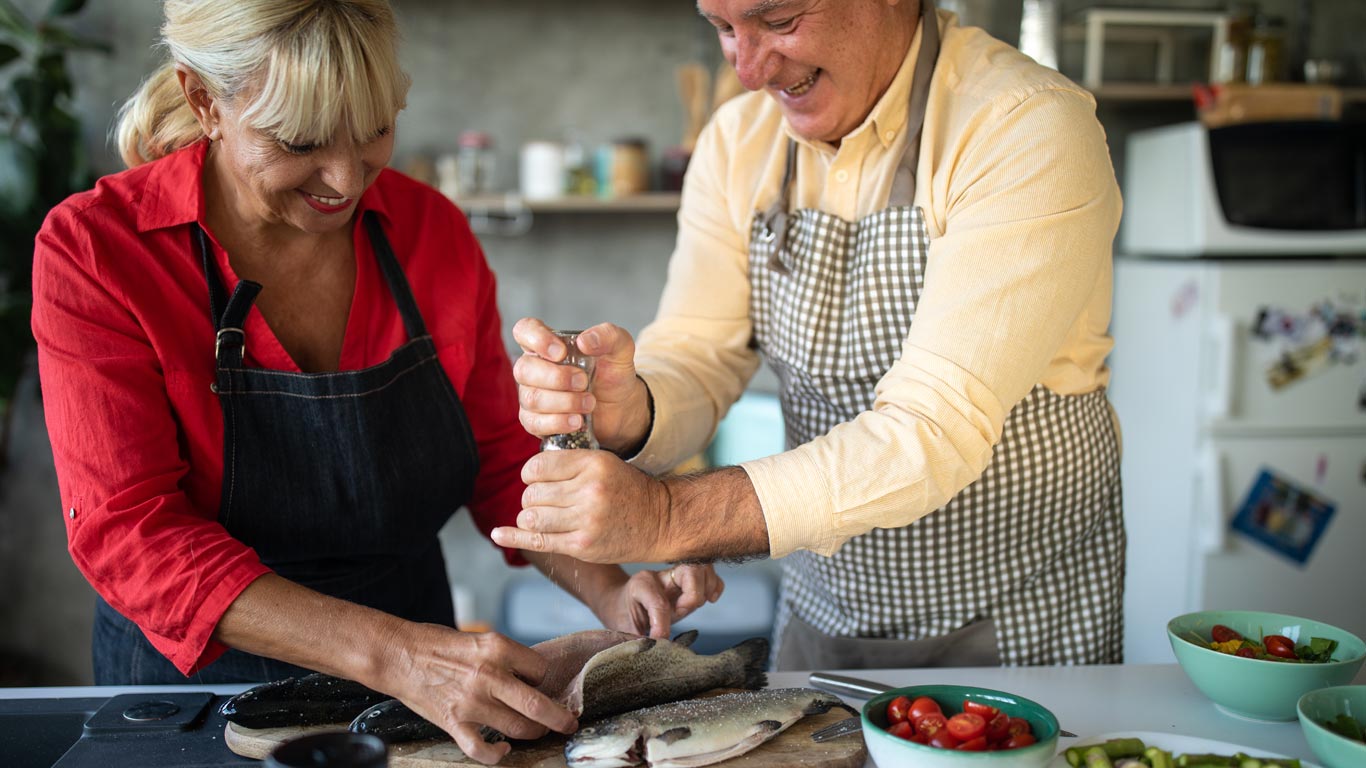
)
(1174, 743)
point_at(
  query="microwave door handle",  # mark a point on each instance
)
(1224, 339)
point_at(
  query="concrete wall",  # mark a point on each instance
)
(593, 70)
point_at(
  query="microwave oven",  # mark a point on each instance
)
(1253, 189)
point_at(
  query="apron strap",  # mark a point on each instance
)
(393, 274)
(903, 183)
(228, 314)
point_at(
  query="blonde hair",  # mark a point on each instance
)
(309, 65)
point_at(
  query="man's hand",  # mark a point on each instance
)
(553, 398)
(649, 602)
(592, 506)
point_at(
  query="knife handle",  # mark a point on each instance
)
(847, 686)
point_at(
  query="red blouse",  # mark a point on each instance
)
(125, 353)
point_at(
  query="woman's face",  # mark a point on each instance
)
(826, 62)
(309, 187)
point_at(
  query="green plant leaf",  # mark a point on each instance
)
(64, 8)
(12, 19)
(8, 53)
(18, 177)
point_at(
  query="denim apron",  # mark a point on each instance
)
(339, 481)
(1025, 565)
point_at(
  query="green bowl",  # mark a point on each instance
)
(889, 750)
(1332, 750)
(1253, 688)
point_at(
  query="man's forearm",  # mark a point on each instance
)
(715, 516)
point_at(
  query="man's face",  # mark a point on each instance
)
(827, 62)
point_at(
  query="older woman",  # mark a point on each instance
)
(273, 369)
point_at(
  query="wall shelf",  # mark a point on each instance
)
(1156, 92)
(511, 203)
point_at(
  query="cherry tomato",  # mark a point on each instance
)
(1223, 634)
(944, 740)
(966, 726)
(998, 727)
(920, 738)
(931, 724)
(978, 744)
(923, 705)
(901, 730)
(1018, 740)
(1279, 645)
(1247, 652)
(978, 708)
(897, 709)
(1019, 725)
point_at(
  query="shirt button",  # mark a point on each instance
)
(890, 135)
(841, 176)
(71, 513)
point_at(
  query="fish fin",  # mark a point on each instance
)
(686, 639)
(754, 658)
(769, 725)
(675, 734)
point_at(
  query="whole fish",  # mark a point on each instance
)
(686, 734)
(646, 671)
(599, 673)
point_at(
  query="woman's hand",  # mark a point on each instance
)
(649, 602)
(463, 680)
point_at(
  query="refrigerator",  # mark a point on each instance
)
(1240, 386)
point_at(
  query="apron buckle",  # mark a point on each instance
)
(218, 341)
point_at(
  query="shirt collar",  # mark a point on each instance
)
(174, 193)
(889, 113)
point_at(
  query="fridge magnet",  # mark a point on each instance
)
(1303, 344)
(1283, 516)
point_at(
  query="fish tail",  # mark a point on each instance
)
(753, 655)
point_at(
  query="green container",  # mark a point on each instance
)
(889, 750)
(1315, 707)
(1253, 688)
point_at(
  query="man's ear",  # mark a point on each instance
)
(202, 103)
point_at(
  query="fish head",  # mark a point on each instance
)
(609, 745)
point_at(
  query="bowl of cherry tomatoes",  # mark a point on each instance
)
(950, 726)
(1257, 664)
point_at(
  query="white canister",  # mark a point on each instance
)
(542, 171)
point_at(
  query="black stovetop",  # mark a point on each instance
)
(133, 730)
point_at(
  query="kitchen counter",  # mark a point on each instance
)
(1087, 701)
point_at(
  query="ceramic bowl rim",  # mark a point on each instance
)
(936, 690)
(1310, 725)
(1289, 619)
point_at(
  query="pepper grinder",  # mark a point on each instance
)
(583, 437)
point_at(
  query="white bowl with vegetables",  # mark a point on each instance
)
(1257, 664)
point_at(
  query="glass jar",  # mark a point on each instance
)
(1232, 65)
(583, 437)
(474, 163)
(1266, 51)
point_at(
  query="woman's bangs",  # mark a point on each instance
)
(315, 87)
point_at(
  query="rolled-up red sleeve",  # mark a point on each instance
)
(121, 462)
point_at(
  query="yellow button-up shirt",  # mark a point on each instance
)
(1019, 196)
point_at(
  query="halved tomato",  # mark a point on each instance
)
(966, 726)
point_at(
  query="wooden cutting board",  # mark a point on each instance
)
(792, 747)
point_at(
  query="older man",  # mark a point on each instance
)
(912, 224)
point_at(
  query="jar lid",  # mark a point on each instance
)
(475, 139)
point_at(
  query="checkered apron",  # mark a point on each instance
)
(1032, 552)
